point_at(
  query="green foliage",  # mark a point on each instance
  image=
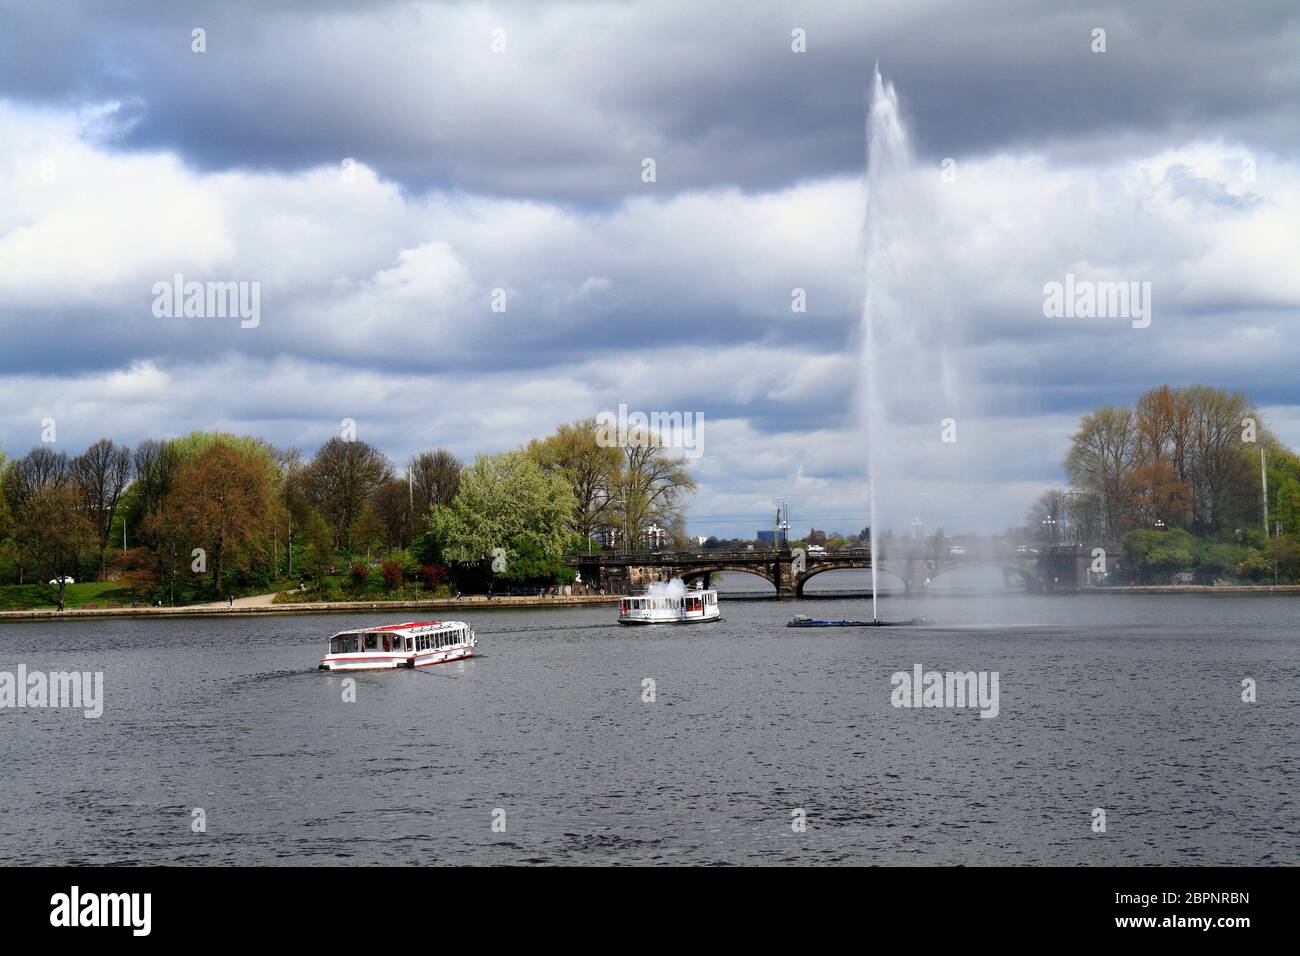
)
(1287, 510)
(1215, 558)
(1151, 554)
(504, 501)
(314, 546)
(424, 548)
(531, 565)
(1254, 566)
(1285, 550)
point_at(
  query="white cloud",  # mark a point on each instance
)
(376, 307)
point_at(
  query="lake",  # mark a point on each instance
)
(1127, 704)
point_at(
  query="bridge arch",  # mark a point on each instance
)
(1026, 575)
(689, 575)
(801, 580)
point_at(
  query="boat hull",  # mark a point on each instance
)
(638, 621)
(395, 661)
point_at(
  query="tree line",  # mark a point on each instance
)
(213, 513)
(1182, 480)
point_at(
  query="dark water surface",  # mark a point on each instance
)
(1131, 704)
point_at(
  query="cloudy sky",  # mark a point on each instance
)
(381, 168)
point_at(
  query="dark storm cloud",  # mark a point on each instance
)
(675, 295)
(584, 92)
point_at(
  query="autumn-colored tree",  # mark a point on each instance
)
(219, 502)
(54, 533)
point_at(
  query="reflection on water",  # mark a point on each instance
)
(1127, 703)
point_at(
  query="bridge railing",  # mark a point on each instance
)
(676, 557)
(759, 555)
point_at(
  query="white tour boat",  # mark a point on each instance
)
(693, 607)
(417, 644)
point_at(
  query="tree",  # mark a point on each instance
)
(1287, 508)
(590, 467)
(219, 502)
(1100, 458)
(504, 501)
(368, 531)
(317, 545)
(1047, 518)
(1253, 566)
(341, 478)
(435, 476)
(39, 468)
(101, 473)
(1152, 553)
(54, 533)
(650, 485)
(1285, 551)
(154, 464)
(392, 506)
(1222, 470)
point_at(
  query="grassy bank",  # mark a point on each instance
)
(466, 604)
(17, 597)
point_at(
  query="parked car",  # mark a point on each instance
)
(65, 580)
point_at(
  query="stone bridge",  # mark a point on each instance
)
(1053, 568)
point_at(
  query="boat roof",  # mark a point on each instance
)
(388, 628)
(688, 593)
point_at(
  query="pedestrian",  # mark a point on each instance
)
(232, 602)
